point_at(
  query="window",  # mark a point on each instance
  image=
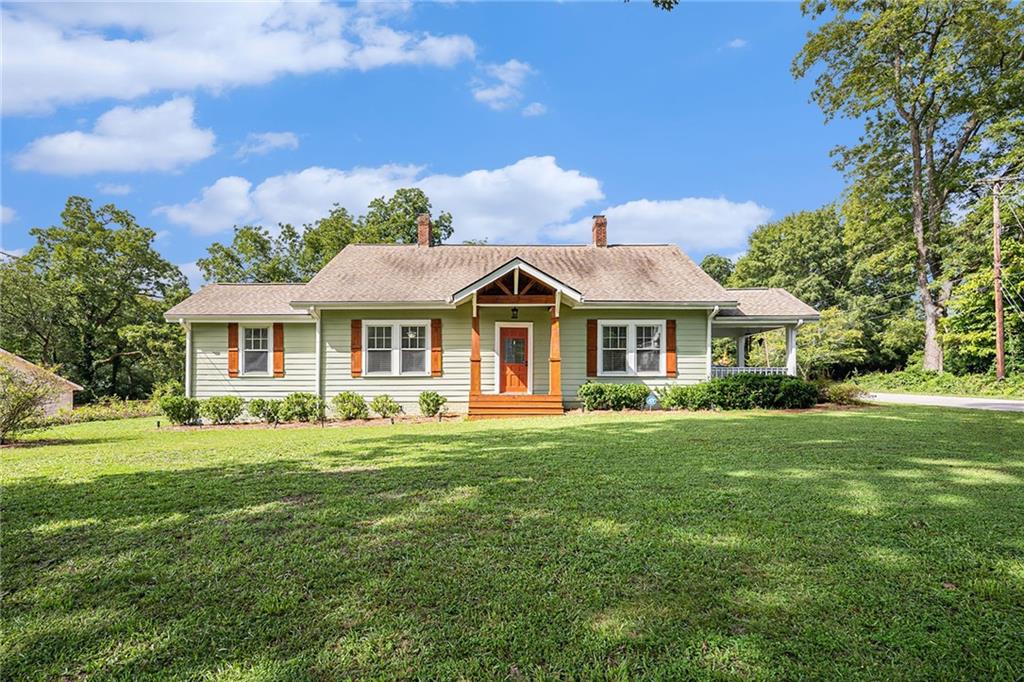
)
(256, 350)
(632, 348)
(397, 348)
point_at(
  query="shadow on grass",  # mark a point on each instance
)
(744, 546)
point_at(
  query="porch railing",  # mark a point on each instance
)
(723, 371)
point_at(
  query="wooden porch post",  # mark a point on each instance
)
(555, 357)
(474, 356)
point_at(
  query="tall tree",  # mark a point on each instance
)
(719, 267)
(92, 275)
(393, 220)
(322, 240)
(255, 255)
(938, 85)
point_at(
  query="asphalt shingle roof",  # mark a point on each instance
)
(767, 302)
(239, 299)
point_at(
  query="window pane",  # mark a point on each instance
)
(614, 337)
(378, 338)
(256, 338)
(414, 338)
(614, 360)
(648, 361)
(378, 361)
(514, 351)
(648, 337)
(256, 360)
(414, 360)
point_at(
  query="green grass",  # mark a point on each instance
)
(872, 543)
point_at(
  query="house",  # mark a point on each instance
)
(496, 329)
(64, 390)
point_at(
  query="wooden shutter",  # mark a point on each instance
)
(435, 348)
(232, 349)
(278, 349)
(591, 348)
(670, 348)
(357, 348)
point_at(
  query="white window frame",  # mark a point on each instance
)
(631, 326)
(498, 326)
(396, 347)
(270, 350)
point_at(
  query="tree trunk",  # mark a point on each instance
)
(932, 312)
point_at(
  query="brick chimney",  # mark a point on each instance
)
(600, 231)
(423, 229)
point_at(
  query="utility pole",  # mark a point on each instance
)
(997, 275)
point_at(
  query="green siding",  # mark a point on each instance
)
(210, 364)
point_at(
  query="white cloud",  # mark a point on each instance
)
(517, 202)
(192, 274)
(222, 205)
(696, 224)
(736, 44)
(162, 138)
(56, 54)
(503, 86)
(534, 109)
(7, 214)
(114, 188)
(262, 143)
(9, 254)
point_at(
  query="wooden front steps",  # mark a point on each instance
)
(490, 406)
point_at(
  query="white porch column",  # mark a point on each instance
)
(319, 358)
(741, 351)
(791, 350)
(188, 359)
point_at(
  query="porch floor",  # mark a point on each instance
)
(489, 406)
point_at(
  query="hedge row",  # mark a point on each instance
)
(297, 407)
(739, 392)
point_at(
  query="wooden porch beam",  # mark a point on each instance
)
(522, 299)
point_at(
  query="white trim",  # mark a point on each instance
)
(515, 264)
(667, 305)
(188, 358)
(631, 326)
(372, 305)
(396, 347)
(242, 351)
(319, 359)
(712, 314)
(762, 320)
(791, 349)
(497, 354)
(243, 319)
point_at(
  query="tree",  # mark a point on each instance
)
(719, 267)
(393, 220)
(324, 239)
(23, 398)
(86, 279)
(939, 85)
(255, 255)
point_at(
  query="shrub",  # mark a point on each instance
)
(741, 392)
(349, 405)
(180, 410)
(106, 409)
(385, 406)
(265, 410)
(679, 397)
(166, 388)
(23, 400)
(595, 396)
(301, 407)
(840, 393)
(432, 403)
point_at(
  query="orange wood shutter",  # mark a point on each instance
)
(278, 349)
(357, 348)
(435, 348)
(591, 348)
(670, 348)
(232, 349)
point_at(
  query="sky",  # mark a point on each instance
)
(521, 119)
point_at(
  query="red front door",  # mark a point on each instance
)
(514, 370)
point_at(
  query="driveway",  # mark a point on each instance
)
(998, 404)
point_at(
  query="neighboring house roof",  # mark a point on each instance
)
(372, 273)
(30, 367)
(768, 302)
(237, 300)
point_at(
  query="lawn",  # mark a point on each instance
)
(884, 542)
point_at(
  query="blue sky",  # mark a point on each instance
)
(522, 119)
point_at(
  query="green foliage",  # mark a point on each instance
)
(349, 405)
(23, 399)
(79, 294)
(107, 408)
(180, 410)
(432, 403)
(393, 220)
(839, 393)
(166, 388)
(254, 255)
(266, 410)
(302, 407)
(222, 409)
(918, 380)
(719, 267)
(835, 342)
(742, 392)
(385, 406)
(597, 396)
(325, 238)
